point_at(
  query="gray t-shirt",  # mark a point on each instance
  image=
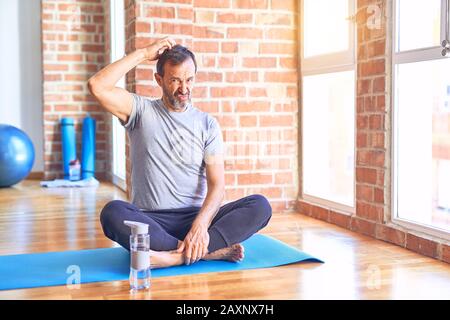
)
(168, 151)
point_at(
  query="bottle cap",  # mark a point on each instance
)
(67, 121)
(74, 162)
(137, 227)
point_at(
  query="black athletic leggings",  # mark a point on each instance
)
(234, 222)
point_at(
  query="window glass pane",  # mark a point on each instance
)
(119, 149)
(117, 52)
(329, 136)
(418, 24)
(326, 27)
(423, 142)
(117, 29)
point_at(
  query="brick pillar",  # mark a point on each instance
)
(371, 116)
(73, 50)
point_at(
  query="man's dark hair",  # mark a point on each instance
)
(178, 54)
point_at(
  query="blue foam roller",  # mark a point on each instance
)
(69, 151)
(88, 148)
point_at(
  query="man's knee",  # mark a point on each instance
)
(263, 209)
(110, 210)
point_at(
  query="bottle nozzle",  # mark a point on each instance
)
(137, 227)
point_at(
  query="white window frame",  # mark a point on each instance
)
(323, 64)
(116, 8)
(409, 56)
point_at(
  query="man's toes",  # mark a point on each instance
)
(238, 256)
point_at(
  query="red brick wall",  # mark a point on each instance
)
(73, 50)
(247, 56)
(373, 132)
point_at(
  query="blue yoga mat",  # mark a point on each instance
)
(110, 264)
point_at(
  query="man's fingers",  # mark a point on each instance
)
(201, 253)
(162, 49)
(195, 253)
(169, 40)
(187, 257)
(188, 254)
(195, 247)
(169, 44)
(157, 48)
(205, 252)
(164, 45)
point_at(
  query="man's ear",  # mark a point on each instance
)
(158, 79)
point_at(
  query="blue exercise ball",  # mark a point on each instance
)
(16, 155)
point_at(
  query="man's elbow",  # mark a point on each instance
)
(93, 86)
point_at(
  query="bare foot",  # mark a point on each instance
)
(235, 253)
(162, 259)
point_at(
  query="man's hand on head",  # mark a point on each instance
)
(154, 50)
(195, 244)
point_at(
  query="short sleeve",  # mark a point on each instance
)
(214, 140)
(136, 112)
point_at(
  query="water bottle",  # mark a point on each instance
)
(74, 170)
(140, 272)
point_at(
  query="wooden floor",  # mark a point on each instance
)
(34, 219)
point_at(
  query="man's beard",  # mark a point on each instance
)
(177, 105)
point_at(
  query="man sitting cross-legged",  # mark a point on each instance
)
(177, 162)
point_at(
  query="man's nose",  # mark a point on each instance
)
(183, 88)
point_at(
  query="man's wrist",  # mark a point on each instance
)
(141, 55)
(202, 222)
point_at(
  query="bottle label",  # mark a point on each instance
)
(140, 260)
